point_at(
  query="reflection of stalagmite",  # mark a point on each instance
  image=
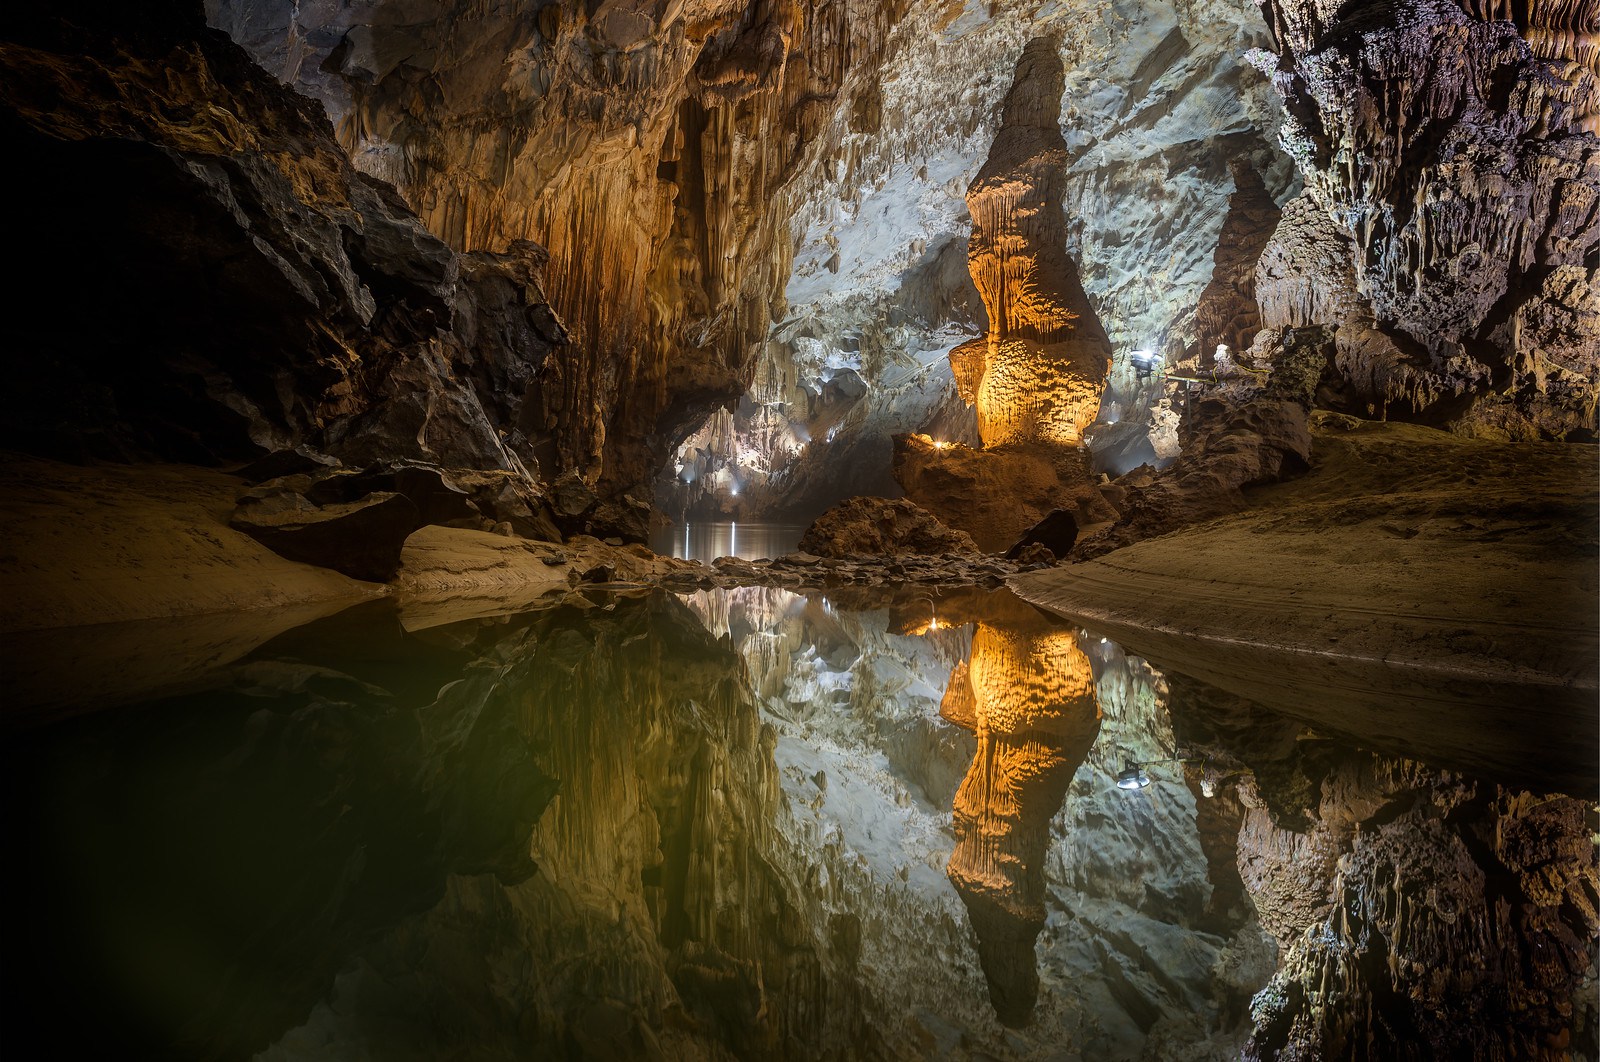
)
(1029, 693)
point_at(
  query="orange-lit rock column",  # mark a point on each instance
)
(1038, 375)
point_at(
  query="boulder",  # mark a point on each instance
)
(880, 526)
(997, 495)
(299, 460)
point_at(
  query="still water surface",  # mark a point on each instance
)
(708, 540)
(750, 823)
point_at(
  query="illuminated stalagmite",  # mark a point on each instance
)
(1038, 375)
(1029, 693)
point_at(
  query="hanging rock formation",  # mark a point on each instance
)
(648, 147)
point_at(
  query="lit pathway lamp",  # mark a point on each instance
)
(1133, 776)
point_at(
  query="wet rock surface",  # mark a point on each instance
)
(1379, 876)
(997, 494)
(1396, 568)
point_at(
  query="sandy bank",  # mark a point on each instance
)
(83, 544)
(1452, 576)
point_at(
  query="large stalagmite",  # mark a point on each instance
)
(1037, 376)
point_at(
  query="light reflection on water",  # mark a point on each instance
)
(708, 540)
(739, 820)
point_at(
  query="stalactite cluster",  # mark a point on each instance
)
(648, 150)
(1469, 200)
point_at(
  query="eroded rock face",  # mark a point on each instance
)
(1388, 893)
(648, 149)
(1460, 206)
(251, 291)
(1228, 313)
(1242, 434)
(1420, 913)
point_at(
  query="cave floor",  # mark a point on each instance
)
(1453, 577)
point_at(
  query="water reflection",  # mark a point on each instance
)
(756, 823)
(706, 541)
(1028, 693)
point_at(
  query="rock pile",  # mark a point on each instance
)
(882, 527)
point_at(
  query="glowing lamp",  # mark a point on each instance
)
(1132, 777)
(1144, 363)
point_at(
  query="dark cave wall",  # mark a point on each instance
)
(209, 278)
(1451, 227)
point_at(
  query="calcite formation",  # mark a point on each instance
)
(1028, 692)
(648, 148)
(1037, 376)
(1419, 913)
(1158, 102)
(1461, 204)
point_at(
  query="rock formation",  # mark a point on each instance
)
(252, 291)
(1036, 378)
(1228, 314)
(1421, 914)
(1454, 216)
(648, 149)
(876, 526)
(1158, 102)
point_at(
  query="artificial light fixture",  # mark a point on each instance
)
(1144, 363)
(1133, 776)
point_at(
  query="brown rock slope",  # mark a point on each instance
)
(1455, 577)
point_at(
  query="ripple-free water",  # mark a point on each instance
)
(708, 540)
(743, 821)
